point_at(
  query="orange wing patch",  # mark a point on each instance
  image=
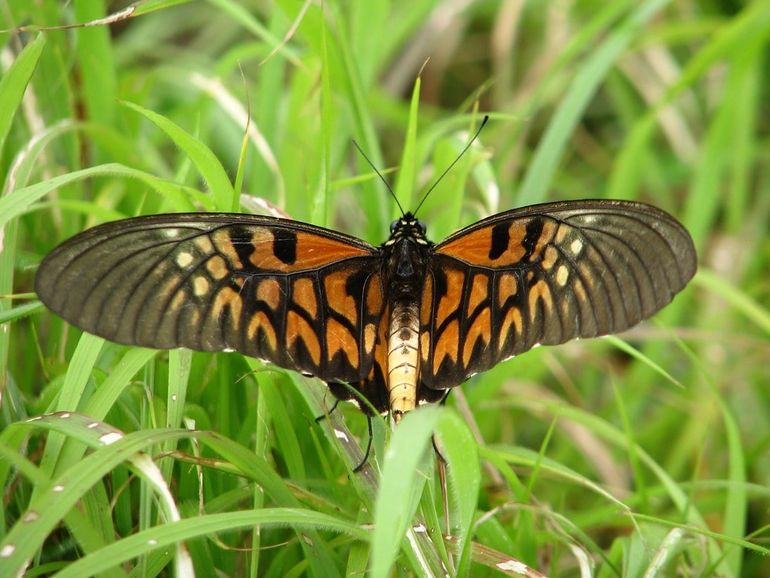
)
(450, 301)
(288, 251)
(475, 247)
(298, 329)
(479, 330)
(506, 288)
(479, 291)
(512, 320)
(540, 291)
(374, 299)
(218, 268)
(227, 300)
(337, 297)
(339, 339)
(504, 244)
(261, 322)
(303, 295)
(447, 344)
(269, 292)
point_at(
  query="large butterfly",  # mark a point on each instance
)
(397, 325)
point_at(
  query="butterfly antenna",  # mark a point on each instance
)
(454, 162)
(379, 174)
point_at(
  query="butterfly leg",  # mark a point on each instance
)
(368, 446)
(439, 455)
(328, 413)
(369, 442)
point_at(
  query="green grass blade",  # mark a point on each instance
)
(401, 487)
(205, 161)
(462, 455)
(14, 82)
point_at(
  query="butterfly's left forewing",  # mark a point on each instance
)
(297, 295)
(546, 274)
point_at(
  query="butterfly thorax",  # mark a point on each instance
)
(407, 262)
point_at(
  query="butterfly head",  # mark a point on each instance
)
(408, 227)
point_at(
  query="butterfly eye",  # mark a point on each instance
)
(422, 226)
(394, 226)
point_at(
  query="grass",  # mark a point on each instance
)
(645, 455)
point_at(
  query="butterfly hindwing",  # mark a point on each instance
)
(543, 275)
(297, 295)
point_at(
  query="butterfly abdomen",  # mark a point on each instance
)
(403, 358)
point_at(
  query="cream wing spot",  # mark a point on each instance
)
(576, 247)
(561, 234)
(425, 346)
(580, 290)
(177, 300)
(184, 259)
(551, 255)
(217, 267)
(562, 275)
(204, 245)
(200, 286)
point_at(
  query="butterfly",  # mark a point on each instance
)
(389, 327)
